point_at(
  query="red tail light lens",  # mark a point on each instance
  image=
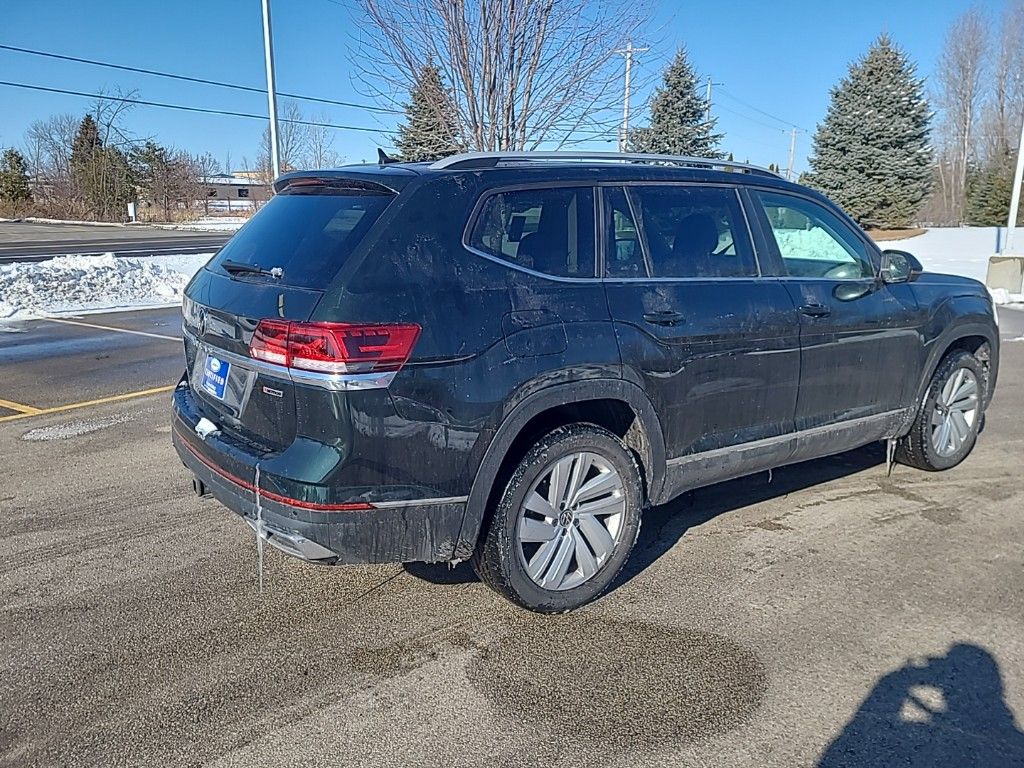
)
(334, 347)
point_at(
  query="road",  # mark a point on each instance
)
(33, 241)
(828, 616)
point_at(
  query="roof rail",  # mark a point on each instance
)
(471, 160)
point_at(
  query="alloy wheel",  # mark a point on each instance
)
(955, 412)
(570, 521)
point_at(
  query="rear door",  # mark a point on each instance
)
(858, 336)
(299, 241)
(715, 346)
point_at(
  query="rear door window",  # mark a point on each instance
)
(546, 230)
(693, 231)
(308, 236)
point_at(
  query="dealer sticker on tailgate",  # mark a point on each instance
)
(215, 376)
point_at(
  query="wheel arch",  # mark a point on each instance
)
(973, 337)
(620, 406)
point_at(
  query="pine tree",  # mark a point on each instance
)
(679, 117)
(872, 153)
(101, 174)
(431, 129)
(989, 190)
(14, 186)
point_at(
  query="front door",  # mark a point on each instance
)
(715, 346)
(858, 335)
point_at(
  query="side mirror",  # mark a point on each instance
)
(899, 267)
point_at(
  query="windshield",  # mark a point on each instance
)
(308, 236)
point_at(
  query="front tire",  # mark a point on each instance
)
(566, 523)
(946, 427)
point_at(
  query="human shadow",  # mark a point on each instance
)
(664, 525)
(942, 711)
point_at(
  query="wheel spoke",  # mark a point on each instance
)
(609, 505)
(542, 559)
(597, 536)
(580, 468)
(539, 505)
(963, 429)
(965, 404)
(531, 530)
(584, 557)
(952, 386)
(941, 437)
(558, 480)
(598, 486)
(560, 562)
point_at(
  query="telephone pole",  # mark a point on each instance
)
(792, 154)
(268, 52)
(628, 52)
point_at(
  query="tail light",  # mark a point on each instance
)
(336, 348)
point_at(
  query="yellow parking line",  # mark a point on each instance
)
(86, 403)
(19, 407)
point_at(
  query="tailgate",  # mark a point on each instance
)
(246, 397)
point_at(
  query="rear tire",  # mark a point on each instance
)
(566, 522)
(947, 424)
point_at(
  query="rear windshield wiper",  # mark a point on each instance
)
(238, 268)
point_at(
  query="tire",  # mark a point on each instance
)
(926, 446)
(600, 530)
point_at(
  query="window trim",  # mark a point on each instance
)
(474, 218)
(735, 188)
(872, 250)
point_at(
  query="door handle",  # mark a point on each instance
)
(815, 310)
(665, 317)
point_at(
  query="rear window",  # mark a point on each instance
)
(546, 230)
(309, 236)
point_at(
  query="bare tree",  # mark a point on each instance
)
(522, 73)
(1004, 106)
(960, 74)
(319, 149)
(202, 167)
(292, 140)
(48, 151)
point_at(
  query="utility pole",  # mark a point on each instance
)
(268, 51)
(707, 114)
(1018, 178)
(792, 154)
(628, 52)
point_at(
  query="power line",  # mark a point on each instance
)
(761, 111)
(199, 80)
(184, 108)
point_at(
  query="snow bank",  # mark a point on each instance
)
(93, 283)
(958, 251)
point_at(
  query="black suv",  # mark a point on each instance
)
(507, 357)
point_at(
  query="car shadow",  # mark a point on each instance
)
(664, 525)
(936, 712)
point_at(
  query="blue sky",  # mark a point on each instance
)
(780, 57)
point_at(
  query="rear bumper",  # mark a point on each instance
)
(341, 532)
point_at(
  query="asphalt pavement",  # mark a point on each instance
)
(36, 241)
(825, 615)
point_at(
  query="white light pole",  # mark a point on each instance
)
(268, 51)
(1018, 177)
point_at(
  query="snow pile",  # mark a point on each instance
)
(958, 251)
(91, 283)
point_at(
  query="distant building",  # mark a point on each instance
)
(236, 191)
